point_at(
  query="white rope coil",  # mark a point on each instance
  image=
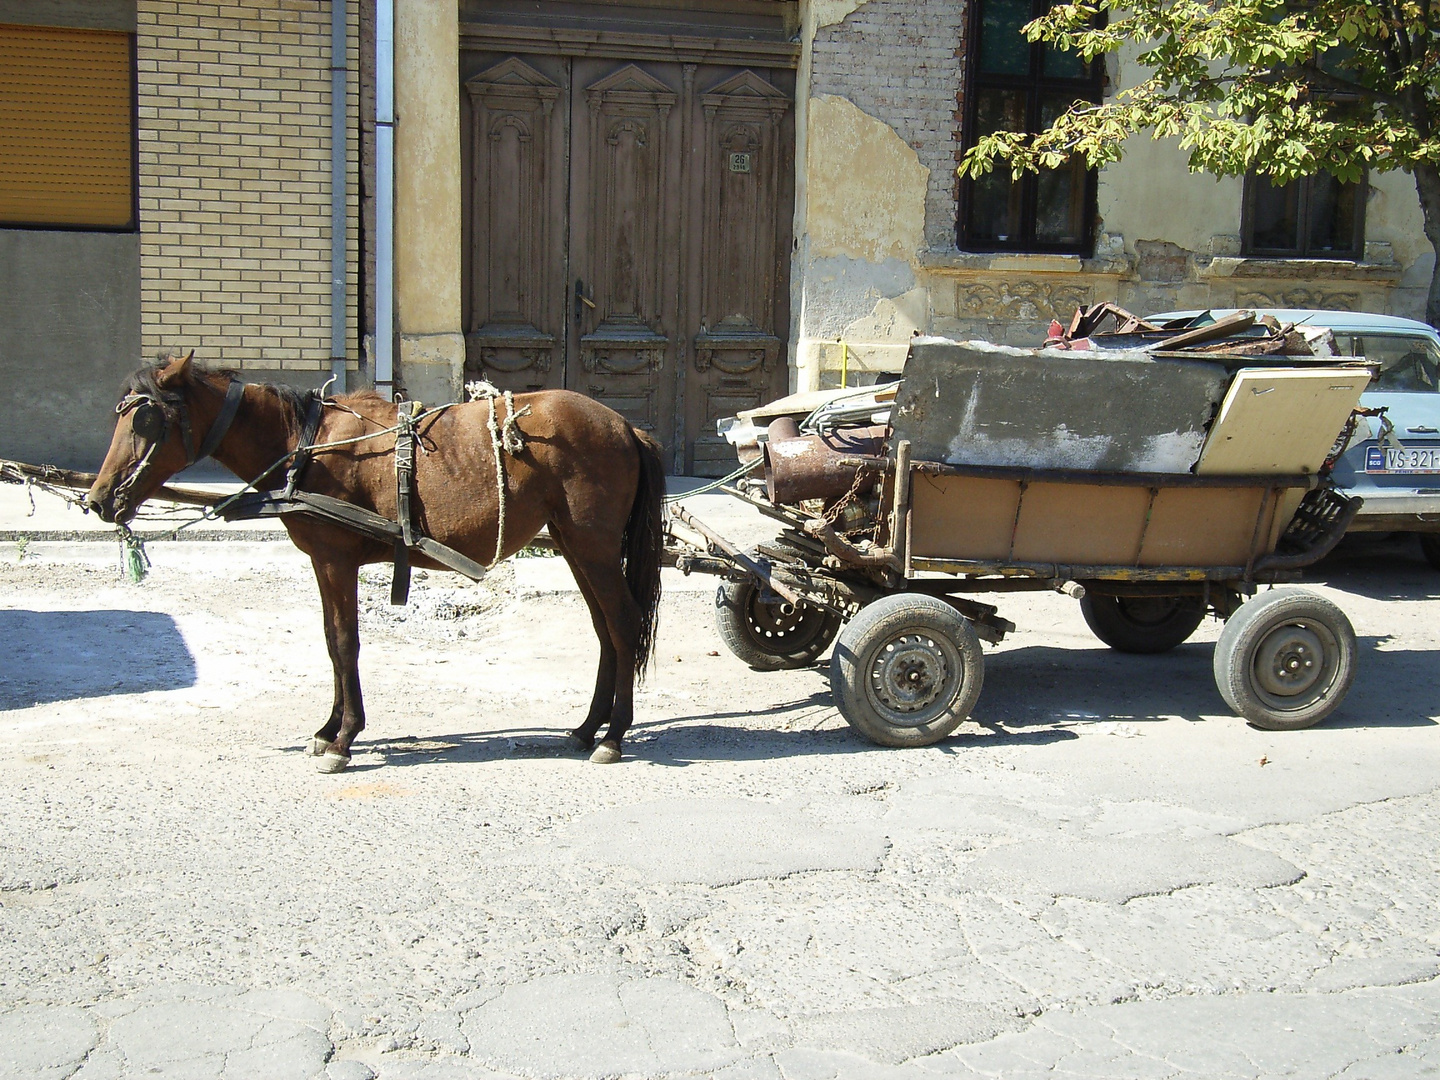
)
(505, 439)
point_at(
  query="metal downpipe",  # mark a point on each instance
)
(385, 198)
(339, 323)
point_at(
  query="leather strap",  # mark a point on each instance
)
(261, 504)
(405, 416)
(314, 410)
(233, 393)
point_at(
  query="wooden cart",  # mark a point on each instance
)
(1149, 554)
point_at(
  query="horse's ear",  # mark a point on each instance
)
(176, 370)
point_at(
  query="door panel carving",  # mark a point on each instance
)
(628, 235)
(621, 218)
(516, 140)
(738, 349)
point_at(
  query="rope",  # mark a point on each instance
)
(714, 484)
(504, 439)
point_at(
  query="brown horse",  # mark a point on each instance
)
(583, 471)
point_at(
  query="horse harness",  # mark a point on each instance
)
(151, 420)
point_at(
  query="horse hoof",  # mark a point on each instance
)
(318, 746)
(579, 742)
(331, 762)
(605, 754)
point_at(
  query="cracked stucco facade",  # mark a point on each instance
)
(876, 258)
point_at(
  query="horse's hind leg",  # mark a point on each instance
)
(606, 581)
(603, 699)
(331, 728)
(339, 596)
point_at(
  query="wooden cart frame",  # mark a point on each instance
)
(1148, 555)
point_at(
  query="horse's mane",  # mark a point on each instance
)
(145, 381)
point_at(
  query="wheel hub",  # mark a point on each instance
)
(776, 619)
(1289, 661)
(909, 673)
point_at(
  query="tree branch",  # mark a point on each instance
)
(1314, 75)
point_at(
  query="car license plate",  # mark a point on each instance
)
(1406, 459)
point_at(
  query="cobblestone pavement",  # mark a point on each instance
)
(1102, 875)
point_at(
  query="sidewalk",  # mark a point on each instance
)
(57, 531)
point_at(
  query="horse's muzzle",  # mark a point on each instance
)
(103, 509)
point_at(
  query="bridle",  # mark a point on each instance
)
(151, 422)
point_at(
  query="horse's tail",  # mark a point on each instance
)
(645, 543)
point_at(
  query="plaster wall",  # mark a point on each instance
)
(69, 335)
(427, 198)
(876, 259)
(876, 183)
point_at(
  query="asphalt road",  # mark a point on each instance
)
(1102, 875)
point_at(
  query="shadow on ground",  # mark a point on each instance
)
(1379, 565)
(1045, 685)
(49, 656)
(1033, 695)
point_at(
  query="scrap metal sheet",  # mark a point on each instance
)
(973, 403)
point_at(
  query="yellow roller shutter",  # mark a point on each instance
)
(66, 143)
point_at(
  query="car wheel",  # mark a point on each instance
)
(771, 635)
(907, 670)
(1142, 624)
(1285, 659)
(1430, 548)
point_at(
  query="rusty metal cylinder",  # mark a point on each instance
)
(785, 427)
(800, 467)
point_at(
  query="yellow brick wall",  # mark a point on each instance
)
(234, 136)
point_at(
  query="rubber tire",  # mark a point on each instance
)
(879, 625)
(1430, 548)
(1142, 624)
(758, 637)
(1245, 636)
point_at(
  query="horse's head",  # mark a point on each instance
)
(151, 441)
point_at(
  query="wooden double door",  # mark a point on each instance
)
(628, 234)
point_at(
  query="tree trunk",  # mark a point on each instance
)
(1427, 183)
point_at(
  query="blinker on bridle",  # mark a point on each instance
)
(150, 421)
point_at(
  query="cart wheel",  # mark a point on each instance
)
(771, 636)
(1430, 548)
(907, 670)
(1142, 624)
(1285, 660)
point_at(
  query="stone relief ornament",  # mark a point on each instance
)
(1298, 298)
(1029, 300)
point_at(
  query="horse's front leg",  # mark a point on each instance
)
(339, 596)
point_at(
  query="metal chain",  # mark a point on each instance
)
(838, 507)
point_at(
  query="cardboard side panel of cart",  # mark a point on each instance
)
(1114, 414)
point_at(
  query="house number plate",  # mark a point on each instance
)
(739, 162)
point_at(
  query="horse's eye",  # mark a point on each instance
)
(148, 421)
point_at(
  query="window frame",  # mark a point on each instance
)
(1249, 249)
(133, 225)
(1035, 85)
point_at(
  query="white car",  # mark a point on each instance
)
(1396, 472)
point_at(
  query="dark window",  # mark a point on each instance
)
(1015, 85)
(1316, 217)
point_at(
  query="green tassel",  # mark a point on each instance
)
(135, 562)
